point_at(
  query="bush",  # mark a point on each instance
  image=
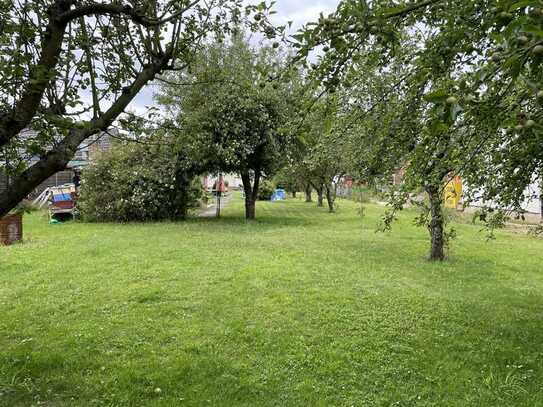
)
(137, 183)
(266, 190)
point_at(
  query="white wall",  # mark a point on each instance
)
(531, 204)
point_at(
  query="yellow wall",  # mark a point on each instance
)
(453, 193)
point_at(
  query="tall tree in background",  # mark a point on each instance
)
(328, 153)
(68, 70)
(230, 115)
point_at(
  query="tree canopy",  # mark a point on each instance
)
(228, 113)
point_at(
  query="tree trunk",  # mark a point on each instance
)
(308, 191)
(251, 193)
(294, 194)
(250, 209)
(181, 200)
(330, 197)
(53, 162)
(436, 225)
(320, 197)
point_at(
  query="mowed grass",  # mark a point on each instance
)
(299, 308)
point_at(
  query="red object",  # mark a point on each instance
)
(220, 186)
(11, 229)
(63, 205)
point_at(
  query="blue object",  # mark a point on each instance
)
(62, 198)
(279, 195)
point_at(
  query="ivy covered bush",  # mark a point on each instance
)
(265, 191)
(138, 183)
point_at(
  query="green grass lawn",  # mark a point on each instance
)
(300, 308)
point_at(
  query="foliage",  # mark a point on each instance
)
(287, 179)
(417, 78)
(228, 119)
(321, 155)
(507, 119)
(266, 190)
(466, 74)
(135, 182)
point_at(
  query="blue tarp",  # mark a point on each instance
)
(279, 195)
(62, 198)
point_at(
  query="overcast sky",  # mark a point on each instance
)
(297, 11)
(302, 11)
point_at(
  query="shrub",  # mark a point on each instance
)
(137, 183)
(265, 190)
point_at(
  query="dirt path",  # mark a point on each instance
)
(211, 211)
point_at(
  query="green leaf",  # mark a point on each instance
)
(532, 29)
(436, 97)
(521, 4)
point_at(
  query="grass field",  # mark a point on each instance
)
(300, 308)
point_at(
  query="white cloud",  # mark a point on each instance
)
(299, 12)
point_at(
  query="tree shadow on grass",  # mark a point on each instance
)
(298, 215)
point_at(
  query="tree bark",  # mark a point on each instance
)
(251, 193)
(308, 191)
(294, 194)
(436, 226)
(330, 197)
(320, 196)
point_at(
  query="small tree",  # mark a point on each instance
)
(404, 105)
(327, 155)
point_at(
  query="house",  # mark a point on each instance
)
(85, 154)
(532, 204)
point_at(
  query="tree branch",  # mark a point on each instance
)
(120, 10)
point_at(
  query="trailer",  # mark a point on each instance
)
(61, 201)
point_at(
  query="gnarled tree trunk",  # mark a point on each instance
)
(320, 196)
(251, 193)
(436, 226)
(330, 197)
(308, 191)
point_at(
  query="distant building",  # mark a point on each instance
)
(532, 203)
(85, 154)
